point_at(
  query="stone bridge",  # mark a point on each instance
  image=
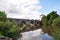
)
(26, 24)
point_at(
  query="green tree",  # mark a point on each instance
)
(14, 32)
(5, 27)
(8, 28)
(44, 23)
(56, 28)
(51, 16)
(56, 22)
(51, 25)
(2, 19)
(2, 16)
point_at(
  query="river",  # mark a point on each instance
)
(35, 35)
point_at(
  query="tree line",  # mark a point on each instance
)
(51, 24)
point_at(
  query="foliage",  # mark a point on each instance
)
(2, 16)
(8, 28)
(56, 22)
(51, 25)
(5, 27)
(56, 26)
(51, 16)
(44, 23)
(14, 32)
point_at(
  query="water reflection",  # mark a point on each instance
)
(35, 35)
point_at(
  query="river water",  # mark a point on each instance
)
(35, 35)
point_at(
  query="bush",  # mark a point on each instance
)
(51, 25)
(8, 28)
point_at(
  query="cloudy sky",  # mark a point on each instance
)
(28, 9)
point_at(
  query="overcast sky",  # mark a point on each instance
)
(28, 9)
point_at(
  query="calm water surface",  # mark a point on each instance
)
(35, 35)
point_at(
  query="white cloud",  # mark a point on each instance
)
(27, 9)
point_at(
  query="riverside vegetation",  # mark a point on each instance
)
(50, 25)
(8, 28)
